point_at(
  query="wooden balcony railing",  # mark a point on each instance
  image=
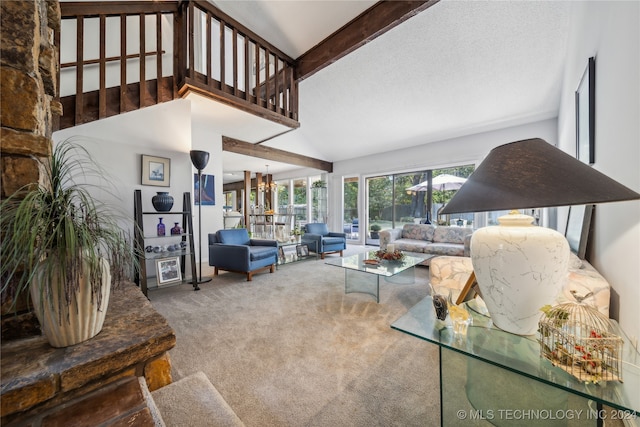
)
(108, 48)
(229, 62)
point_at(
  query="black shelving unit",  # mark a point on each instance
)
(142, 240)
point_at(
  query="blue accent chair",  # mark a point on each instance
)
(318, 236)
(233, 250)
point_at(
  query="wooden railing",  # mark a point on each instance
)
(102, 45)
(229, 62)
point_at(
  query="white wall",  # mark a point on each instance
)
(118, 142)
(610, 31)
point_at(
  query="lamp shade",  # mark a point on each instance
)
(199, 159)
(530, 174)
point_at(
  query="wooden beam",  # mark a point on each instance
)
(246, 148)
(373, 22)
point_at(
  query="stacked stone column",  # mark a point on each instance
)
(28, 91)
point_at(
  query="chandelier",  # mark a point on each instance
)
(263, 185)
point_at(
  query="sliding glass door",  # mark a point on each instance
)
(414, 197)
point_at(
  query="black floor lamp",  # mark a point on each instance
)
(200, 160)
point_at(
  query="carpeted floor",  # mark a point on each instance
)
(291, 349)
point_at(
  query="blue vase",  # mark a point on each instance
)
(162, 202)
(176, 230)
(161, 230)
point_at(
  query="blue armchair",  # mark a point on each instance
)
(318, 236)
(233, 250)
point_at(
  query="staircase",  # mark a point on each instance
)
(192, 401)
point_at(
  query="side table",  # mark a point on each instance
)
(492, 376)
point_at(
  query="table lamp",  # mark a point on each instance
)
(199, 159)
(520, 267)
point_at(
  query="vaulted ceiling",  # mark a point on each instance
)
(457, 68)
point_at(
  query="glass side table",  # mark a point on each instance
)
(492, 377)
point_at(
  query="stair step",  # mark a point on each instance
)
(194, 402)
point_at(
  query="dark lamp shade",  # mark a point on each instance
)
(534, 174)
(199, 159)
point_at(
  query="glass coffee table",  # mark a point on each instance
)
(363, 275)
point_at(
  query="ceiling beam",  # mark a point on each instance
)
(248, 149)
(373, 22)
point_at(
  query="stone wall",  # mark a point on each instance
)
(28, 74)
(28, 92)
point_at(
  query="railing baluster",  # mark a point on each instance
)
(143, 62)
(102, 93)
(159, 86)
(247, 41)
(209, 75)
(79, 69)
(123, 63)
(234, 45)
(267, 77)
(256, 89)
(223, 83)
(192, 70)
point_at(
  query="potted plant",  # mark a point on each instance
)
(375, 228)
(319, 184)
(64, 247)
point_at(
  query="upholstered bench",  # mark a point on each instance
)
(452, 272)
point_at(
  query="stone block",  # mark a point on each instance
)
(101, 407)
(18, 172)
(48, 63)
(21, 399)
(20, 36)
(22, 100)
(24, 143)
(157, 373)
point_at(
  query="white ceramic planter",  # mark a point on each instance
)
(519, 268)
(78, 321)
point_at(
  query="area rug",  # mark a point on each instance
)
(291, 349)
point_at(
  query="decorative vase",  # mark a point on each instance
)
(162, 201)
(519, 268)
(176, 230)
(161, 229)
(69, 323)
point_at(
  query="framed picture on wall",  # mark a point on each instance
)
(586, 114)
(208, 190)
(168, 270)
(156, 171)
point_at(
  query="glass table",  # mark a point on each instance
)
(363, 275)
(492, 377)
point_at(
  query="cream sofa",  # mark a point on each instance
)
(452, 272)
(428, 239)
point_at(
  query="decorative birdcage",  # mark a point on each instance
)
(580, 340)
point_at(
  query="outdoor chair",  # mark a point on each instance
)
(318, 237)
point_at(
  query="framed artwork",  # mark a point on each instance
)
(578, 227)
(208, 190)
(586, 115)
(168, 270)
(156, 171)
(302, 250)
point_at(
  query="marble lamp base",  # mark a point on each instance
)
(519, 268)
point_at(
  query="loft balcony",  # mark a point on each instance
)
(117, 57)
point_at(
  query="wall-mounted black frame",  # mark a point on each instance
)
(586, 114)
(578, 227)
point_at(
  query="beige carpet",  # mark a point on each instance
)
(291, 349)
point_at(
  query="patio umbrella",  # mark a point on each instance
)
(440, 183)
